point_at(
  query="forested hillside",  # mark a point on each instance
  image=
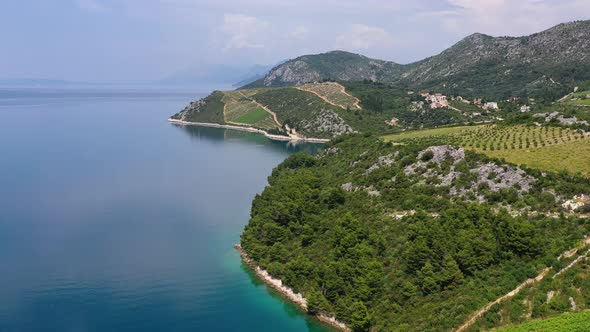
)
(409, 237)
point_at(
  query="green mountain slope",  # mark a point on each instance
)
(336, 65)
(478, 65)
(322, 110)
(409, 237)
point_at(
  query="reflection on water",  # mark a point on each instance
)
(111, 219)
(222, 134)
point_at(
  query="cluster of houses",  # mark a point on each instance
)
(577, 202)
(523, 108)
(437, 100)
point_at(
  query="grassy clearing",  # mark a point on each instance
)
(581, 94)
(583, 101)
(333, 93)
(254, 117)
(546, 148)
(571, 322)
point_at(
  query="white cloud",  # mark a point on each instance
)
(244, 31)
(91, 5)
(300, 32)
(505, 17)
(362, 37)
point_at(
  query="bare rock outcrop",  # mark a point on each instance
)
(436, 154)
(503, 177)
(326, 121)
(195, 106)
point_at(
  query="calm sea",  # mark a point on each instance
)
(112, 219)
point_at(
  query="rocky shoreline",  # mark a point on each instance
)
(251, 130)
(287, 292)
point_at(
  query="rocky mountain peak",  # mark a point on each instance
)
(512, 65)
(476, 38)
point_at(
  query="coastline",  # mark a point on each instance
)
(251, 130)
(287, 292)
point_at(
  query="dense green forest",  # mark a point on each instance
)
(492, 82)
(408, 237)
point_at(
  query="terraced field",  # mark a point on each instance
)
(240, 109)
(547, 148)
(332, 93)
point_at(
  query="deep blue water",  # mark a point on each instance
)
(112, 219)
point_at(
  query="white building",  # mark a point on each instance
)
(491, 105)
(525, 108)
(577, 202)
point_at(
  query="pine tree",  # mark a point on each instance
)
(360, 320)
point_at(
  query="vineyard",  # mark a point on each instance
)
(332, 93)
(493, 137)
(545, 147)
(240, 109)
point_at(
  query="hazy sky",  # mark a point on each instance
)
(122, 40)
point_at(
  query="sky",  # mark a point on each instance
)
(143, 40)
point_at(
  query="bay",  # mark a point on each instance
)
(112, 219)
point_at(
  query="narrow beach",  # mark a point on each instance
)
(287, 292)
(251, 130)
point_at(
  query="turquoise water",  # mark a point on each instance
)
(112, 219)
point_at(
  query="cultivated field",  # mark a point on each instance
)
(571, 156)
(332, 93)
(253, 117)
(547, 148)
(240, 109)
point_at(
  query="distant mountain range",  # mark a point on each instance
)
(218, 75)
(43, 83)
(236, 75)
(478, 65)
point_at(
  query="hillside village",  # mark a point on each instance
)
(439, 100)
(475, 108)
